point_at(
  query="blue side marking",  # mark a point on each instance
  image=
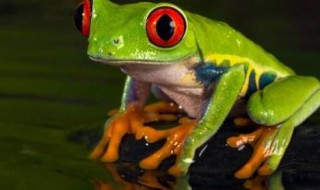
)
(207, 73)
(266, 78)
(252, 87)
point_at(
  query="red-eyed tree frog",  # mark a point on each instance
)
(200, 68)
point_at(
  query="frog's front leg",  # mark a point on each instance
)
(215, 109)
(128, 120)
(279, 108)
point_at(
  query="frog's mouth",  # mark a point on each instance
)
(191, 60)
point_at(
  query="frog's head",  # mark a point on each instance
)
(143, 33)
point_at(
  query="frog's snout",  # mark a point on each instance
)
(105, 48)
(113, 45)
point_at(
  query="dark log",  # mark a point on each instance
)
(218, 162)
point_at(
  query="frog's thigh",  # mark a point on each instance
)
(288, 103)
(280, 100)
(284, 134)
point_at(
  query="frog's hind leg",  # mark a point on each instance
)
(279, 108)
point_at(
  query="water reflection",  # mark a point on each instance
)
(130, 177)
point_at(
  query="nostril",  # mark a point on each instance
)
(116, 40)
(109, 53)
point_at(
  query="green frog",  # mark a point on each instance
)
(202, 71)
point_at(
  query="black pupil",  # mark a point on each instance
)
(78, 17)
(165, 27)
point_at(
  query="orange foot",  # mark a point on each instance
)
(121, 124)
(173, 145)
(261, 140)
(132, 122)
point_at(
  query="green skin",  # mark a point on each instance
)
(121, 40)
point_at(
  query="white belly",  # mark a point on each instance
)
(190, 99)
(177, 81)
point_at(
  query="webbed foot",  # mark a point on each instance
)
(132, 121)
(175, 138)
(263, 141)
(122, 123)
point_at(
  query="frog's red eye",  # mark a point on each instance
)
(82, 17)
(165, 26)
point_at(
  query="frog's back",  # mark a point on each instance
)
(226, 47)
(225, 43)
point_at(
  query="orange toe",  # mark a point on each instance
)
(162, 107)
(176, 171)
(99, 149)
(243, 122)
(173, 145)
(265, 170)
(161, 111)
(243, 139)
(261, 139)
(108, 148)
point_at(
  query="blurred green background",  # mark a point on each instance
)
(48, 86)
